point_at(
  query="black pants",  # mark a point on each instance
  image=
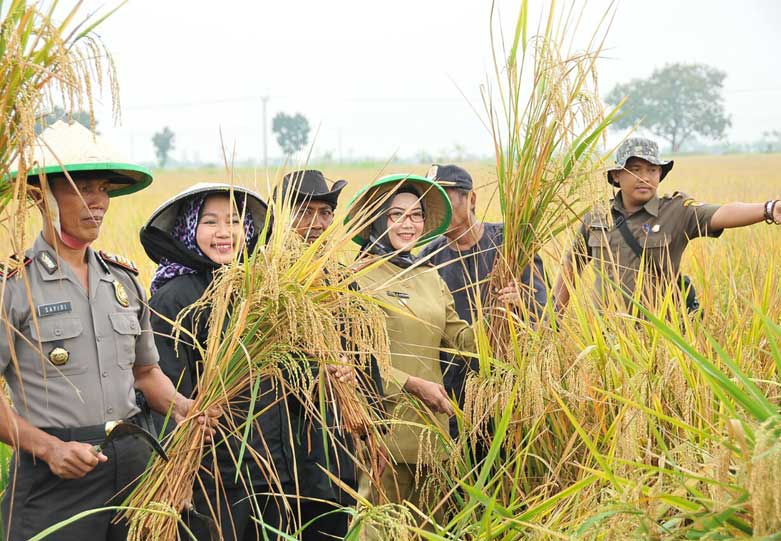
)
(323, 527)
(36, 498)
(239, 515)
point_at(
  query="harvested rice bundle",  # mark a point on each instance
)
(282, 315)
(546, 123)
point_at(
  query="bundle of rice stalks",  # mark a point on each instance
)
(282, 315)
(43, 63)
(547, 122)
(545, 144)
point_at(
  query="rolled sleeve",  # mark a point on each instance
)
(698, 217)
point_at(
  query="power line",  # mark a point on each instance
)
(245, 99)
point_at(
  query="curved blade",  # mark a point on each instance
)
(122, 430)
(214, 532)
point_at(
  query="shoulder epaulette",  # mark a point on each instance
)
(119, 261)
(13, 266)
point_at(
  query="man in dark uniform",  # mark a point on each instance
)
(646, 231)
(313, 205)
(75, 344)
(464, 257)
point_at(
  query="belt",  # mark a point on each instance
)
(92, 433)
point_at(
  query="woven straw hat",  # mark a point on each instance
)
(75, 149)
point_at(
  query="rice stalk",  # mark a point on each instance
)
(44, 63)
(547, 123)
(282, 315)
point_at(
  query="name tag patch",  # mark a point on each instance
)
(44, 310)
(398, 294)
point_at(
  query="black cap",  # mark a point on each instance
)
(450, 176)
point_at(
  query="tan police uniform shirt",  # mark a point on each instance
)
(421, 320)
(663, 227)
(103, 339)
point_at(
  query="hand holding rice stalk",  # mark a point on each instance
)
(287, 305)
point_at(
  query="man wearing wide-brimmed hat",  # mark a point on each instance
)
(76, 341)
(312, 200)
(313, 204)
(646, 232)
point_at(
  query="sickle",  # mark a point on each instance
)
(118, 429)
(214, 532)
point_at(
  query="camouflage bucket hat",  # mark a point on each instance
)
(639, 147)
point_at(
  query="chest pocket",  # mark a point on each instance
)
(126, 332)
(59, 337)
(598, 243)
(657, 251)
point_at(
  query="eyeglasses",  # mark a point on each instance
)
(398, 216)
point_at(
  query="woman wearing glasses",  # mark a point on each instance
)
(421, 317)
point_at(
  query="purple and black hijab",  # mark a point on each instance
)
(172, 242)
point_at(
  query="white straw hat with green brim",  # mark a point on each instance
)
(75, 149)
(165, 215)
(368, 201)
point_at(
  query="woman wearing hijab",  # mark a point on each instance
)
(409, 211)
(190, 236)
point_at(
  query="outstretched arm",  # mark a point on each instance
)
(743, 214)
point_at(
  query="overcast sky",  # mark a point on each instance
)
(381, 77)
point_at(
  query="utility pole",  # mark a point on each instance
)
(339, 146)
(264, 132)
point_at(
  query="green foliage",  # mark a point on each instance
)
(291, 131)
(676, 102)
(164, 143)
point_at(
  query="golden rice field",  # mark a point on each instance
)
(615, 429)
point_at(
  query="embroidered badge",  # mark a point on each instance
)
(44, 310)
(655, 228)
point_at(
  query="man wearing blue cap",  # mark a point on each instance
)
(464, 257)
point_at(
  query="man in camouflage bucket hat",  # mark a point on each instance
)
(644, 149)
(643, 227)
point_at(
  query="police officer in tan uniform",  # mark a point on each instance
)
(643, 227)
(75, 342)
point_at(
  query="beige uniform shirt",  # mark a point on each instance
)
(103, 333)
(427, 322)
(663, 227)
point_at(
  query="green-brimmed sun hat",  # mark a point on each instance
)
(75, 149)
(434, 199)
